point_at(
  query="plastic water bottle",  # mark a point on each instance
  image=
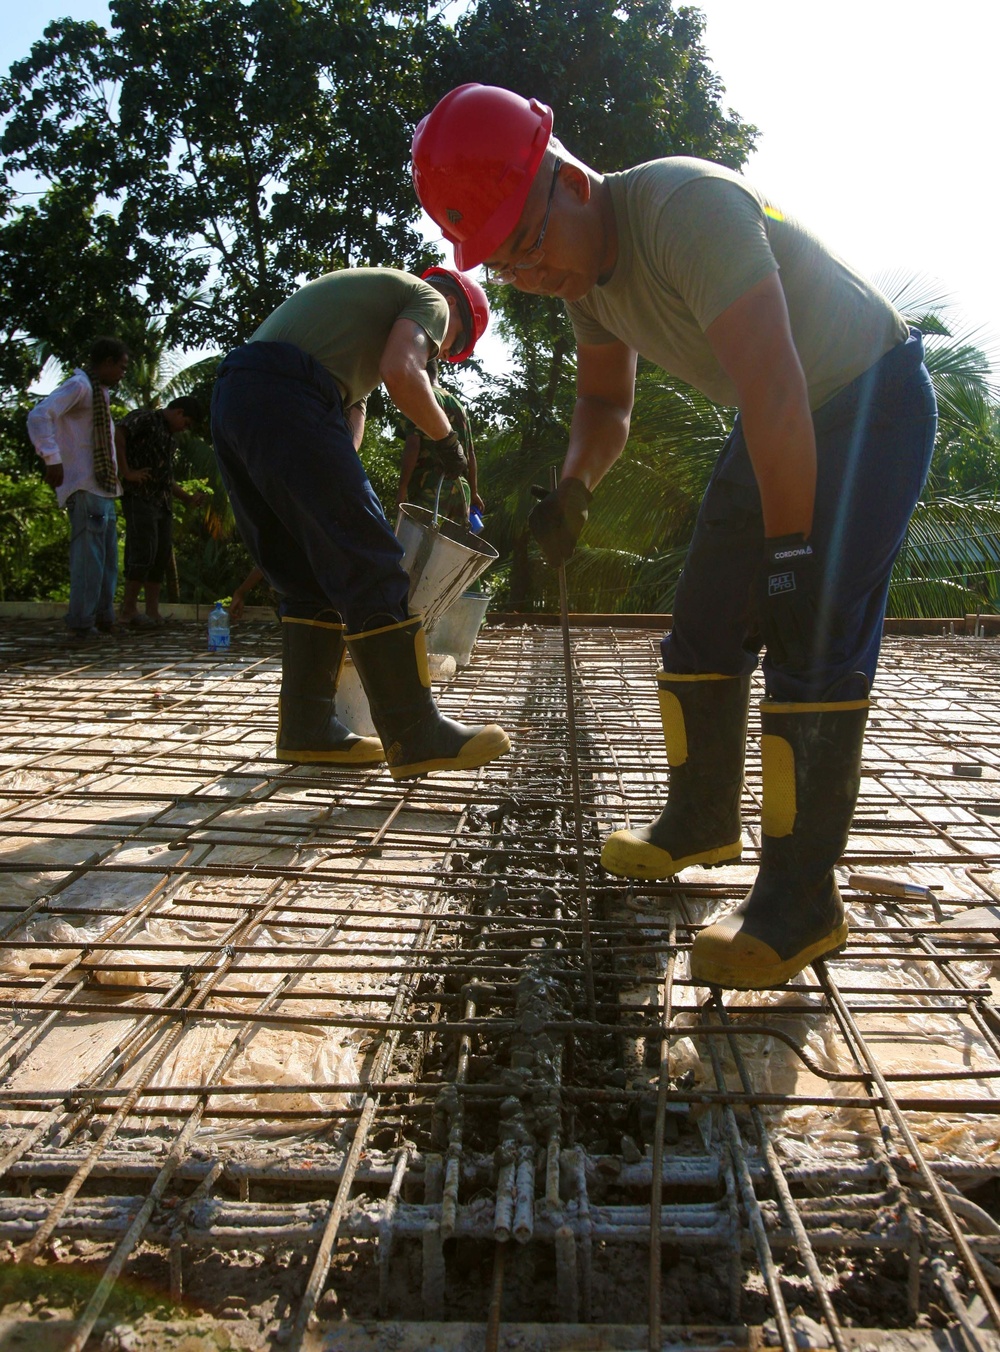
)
(475, 520)
(218, 629)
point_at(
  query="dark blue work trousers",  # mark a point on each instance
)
(302, 500)
(873, 447)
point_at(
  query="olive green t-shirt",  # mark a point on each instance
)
(692, 238)
(343, 319)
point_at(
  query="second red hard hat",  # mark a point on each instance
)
(479, 308)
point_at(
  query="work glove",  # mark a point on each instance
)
(450, 457)
(559, 518)
(788, 601)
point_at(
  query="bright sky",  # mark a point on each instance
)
(879, 125)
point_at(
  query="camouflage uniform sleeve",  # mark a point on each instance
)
(458, 418)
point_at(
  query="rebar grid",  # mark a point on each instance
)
(266, 982)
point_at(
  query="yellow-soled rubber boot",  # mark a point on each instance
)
(793, 914)
(705, 729)
(309, 731)
(392, 664)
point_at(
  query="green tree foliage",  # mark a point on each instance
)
(34, 536)
(211, 145)
(627, 82)
(950, 563)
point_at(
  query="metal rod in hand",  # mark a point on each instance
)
(574, 770)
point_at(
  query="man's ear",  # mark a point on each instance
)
(577, 181)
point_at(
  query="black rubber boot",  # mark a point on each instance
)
(309, 731)
(392, 664)
(705, 731)
(811, 759)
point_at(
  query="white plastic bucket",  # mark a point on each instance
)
(442, 558)
(456, 631)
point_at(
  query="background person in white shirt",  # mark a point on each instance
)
(73, 433)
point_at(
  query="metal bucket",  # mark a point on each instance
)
(352, 702)
(456, 631)
(442, 558)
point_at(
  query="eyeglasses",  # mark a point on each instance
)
(531, 258)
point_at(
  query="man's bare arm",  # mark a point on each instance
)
(753, 342)
(404, 374)
(605, 393)
(127, 475)
(355, 419)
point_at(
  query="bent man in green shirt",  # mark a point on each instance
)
(288, 415)
(689, 265)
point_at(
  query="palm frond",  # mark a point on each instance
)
(194, 378)
(950, 561)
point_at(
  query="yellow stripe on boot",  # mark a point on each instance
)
(794, 913)
(364, 751)
(704, 729)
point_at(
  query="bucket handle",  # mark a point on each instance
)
(437, 502)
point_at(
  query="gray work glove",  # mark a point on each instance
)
(559, 518)
(451, 458)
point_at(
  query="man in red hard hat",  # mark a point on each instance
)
(288, 415)
(687, 264)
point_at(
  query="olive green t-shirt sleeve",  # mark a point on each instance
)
(429, 309)
(712, 246)
(586, 329)
(706, 243)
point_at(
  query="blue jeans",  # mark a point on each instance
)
(93, 560)
(300, 495)
(874, 442)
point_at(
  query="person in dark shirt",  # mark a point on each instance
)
(144, 442)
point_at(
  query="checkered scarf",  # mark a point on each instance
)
(104, 453)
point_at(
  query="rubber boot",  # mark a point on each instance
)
(705, 730)
(392, 664)
(793, 914)
(309, 731)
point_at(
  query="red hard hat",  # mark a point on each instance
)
(479, 308)
(475, 157)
